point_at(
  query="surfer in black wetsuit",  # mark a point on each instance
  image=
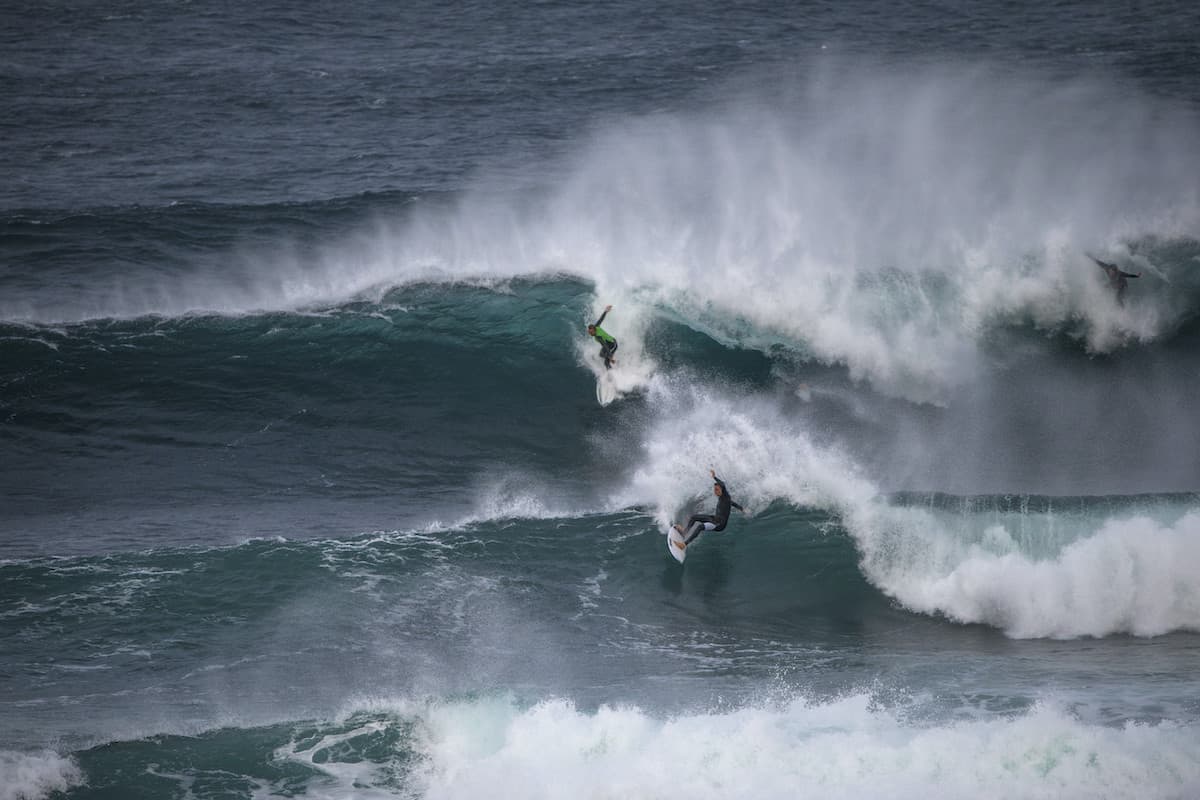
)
(1116, 278)
(715, 521)
(608, 345)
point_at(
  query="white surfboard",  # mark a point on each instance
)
(675, 545)
(606, 389)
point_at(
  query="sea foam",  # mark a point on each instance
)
(36, 775)
(847, 748)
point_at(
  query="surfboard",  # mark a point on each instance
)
(606, 389)
(675, 545)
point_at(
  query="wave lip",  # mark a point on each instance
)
(1034, 568)
(1133, 576)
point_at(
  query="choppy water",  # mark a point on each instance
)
(306, 490)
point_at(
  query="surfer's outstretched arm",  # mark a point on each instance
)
(1104, 265)
(607, 309)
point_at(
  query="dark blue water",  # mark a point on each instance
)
(308, 486)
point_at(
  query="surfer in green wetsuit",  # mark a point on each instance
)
(608, 345)
(711, 522)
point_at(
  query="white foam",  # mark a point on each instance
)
(842, 749)
(1133, 575)
(750, 444)
(36, 775)
(346, 778)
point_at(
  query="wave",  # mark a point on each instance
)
(1070, 570)
(848, 747)
(1036, 409)
(189, 655)
(1063, 568)
(471, 405)
(885, 222)
(1124, 577)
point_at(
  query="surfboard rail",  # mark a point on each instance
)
(675, 544)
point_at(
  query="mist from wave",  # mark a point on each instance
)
(884, 221)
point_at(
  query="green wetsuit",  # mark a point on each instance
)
(608, 344)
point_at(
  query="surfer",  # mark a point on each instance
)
(715, 521)
(608, 345)
(1116, 278)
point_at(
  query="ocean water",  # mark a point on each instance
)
(306, 491)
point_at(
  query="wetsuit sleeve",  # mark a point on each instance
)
(725, 492)
(602, 316)
(1129, 274)
(1102, 264)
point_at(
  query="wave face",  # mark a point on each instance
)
(308, 487)
(453, 395)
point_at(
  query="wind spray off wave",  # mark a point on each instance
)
(881, 221)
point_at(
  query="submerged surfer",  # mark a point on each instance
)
(1116, 278)
(608, 345)
(710, 522)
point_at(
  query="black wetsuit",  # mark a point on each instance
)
(718, 519)
(1116, 278)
